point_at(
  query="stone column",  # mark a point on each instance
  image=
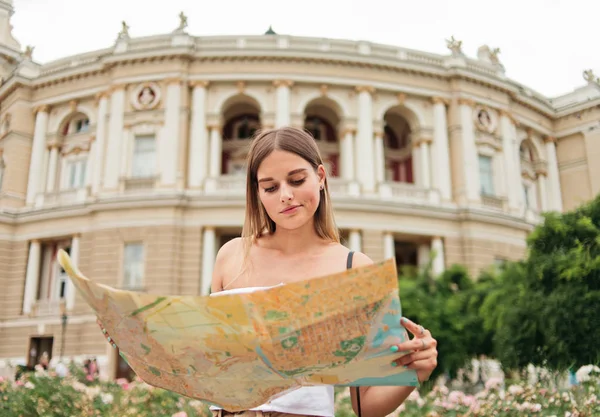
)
(283, 111)
(513, 184)
(215, 157)
(71, 290)
(555, 200)
(439, 261)
(38, 148)
(379, 157)
(389, 246)
(198, 153)
(32, 276)
(541, 182)
(470, 160)
(52, 168)
(416, 160)
(112, 167)
(215, 151)
(168, 146)
(440, 152)
(347, 154)
(99, 144)
(355, 241)
(423, 255)
(209, 253)
(424, 165)
(364, 139)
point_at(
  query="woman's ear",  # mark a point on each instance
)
(322, 174)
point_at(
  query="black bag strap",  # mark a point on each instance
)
(349, 266)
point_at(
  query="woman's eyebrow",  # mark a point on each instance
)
(295, 171)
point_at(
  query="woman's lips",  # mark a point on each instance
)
(290, 210)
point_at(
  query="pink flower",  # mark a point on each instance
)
(89, 378)
(180, 414)
(19, 383)
(1, 379)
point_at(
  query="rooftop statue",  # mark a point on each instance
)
(455, 46)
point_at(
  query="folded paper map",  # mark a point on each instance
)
(240, 350)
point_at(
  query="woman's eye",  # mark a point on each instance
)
(270, 189)
(298, 182)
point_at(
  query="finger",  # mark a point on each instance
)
(423, 365)
(415, 344)
(415, 329)
(416, 356)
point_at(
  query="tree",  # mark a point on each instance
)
(449, 307)
(547, 309)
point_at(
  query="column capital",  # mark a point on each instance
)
(76, 236)
(199, 83)
(425, 140)
(549, 139)
(101, 95)
(377, 134)
(466, 101)
(173, 80)
(283, 83)
(53, 145)
(117, 87)
(345, 131)
(213, 126)
(44, 108)
(365, 88)
(440, 100)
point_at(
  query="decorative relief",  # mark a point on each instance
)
(485, 120)
(145, 96)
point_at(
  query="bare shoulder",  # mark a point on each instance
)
(360, 259)
(227, 257)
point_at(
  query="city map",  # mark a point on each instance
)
(238, 351)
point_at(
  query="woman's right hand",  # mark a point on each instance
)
(105, 333)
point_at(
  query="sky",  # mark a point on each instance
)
(545, 44)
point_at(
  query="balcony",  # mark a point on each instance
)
(493, 202)
(48, 308)
(409, 193)
(138, 184)
(62, 197)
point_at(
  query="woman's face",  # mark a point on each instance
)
(289, 189)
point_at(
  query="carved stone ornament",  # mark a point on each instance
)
(590, 77)
(484, 119)
(455, 46)
(145, 96)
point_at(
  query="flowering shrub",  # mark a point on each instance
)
(76, 395)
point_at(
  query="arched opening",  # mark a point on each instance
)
(397, 148)
(74, 124)
(242, 121)
(321, 119)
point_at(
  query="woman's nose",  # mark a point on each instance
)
(286, 193)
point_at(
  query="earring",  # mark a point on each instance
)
(321, 187)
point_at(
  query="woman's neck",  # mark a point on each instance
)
(297, 241)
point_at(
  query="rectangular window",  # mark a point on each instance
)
(144, 157)
(133, 266)
(486, 175)
(76, 174)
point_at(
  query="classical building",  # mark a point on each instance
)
(132, 159)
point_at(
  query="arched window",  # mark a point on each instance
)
(79, 123)
(320, 129)
(241, 127)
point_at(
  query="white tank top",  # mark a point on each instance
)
(310, 401)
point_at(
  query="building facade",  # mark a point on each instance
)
(132, 158)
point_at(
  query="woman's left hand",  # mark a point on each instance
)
(423, 353)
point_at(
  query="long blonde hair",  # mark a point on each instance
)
(299, 142)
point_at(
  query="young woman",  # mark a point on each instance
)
(290, 235)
